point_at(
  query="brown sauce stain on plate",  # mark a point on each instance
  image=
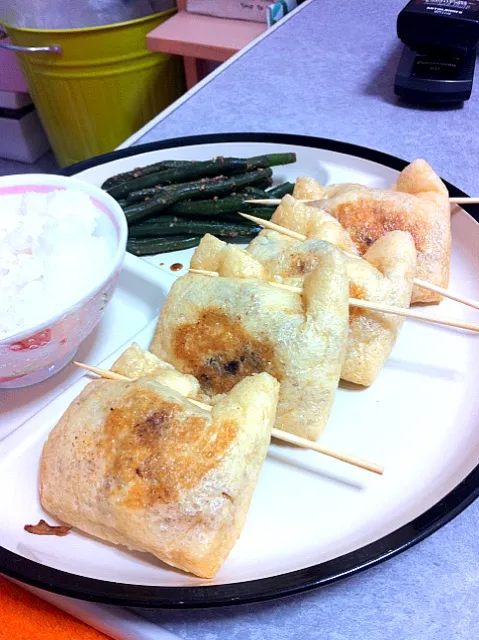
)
(176, 267)
(45, 529)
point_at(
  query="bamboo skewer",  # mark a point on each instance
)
(111, 375)
(274, 202)
(446, 293)
(332, 453)
(104, 373)
(267, 224)
(464, 200)
(375, 306)
(275, 433)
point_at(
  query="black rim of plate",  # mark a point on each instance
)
(262, 589)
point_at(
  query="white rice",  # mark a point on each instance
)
(49, 255)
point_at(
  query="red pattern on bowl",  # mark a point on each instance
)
(42, 349)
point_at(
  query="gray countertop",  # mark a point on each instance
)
(329, 72)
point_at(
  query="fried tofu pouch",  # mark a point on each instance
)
(136, 464)
(312, 222)
(385, 274)
(223, 329)
(136, 362)
(417, 203)
(306, 188)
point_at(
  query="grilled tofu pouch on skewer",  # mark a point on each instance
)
(223, 329)
(136, 362)
(311, 222)
(385, 274)
(135, 463)
(306, 188)
(213, 254)
(418, 203)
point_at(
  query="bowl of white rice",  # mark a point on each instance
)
(62, 243)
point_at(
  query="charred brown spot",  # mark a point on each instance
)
(363, 220)
(227, 496)
(358, 292)
(232, 367)
(367, 219)
(219, 352)
(301, 264)
(154, 449)
(157, 418)
(45, 529)
(153, 424)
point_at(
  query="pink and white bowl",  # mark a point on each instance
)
(37, 353)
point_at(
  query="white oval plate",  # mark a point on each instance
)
(313, 520)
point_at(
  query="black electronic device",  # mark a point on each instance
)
(440, 39)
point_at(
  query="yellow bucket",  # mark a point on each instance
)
(102, 86)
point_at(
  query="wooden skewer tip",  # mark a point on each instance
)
(274, 202)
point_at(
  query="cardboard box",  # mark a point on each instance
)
(251, 10)
(21, 135)
(14, 100)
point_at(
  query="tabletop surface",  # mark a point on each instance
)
(329, 72)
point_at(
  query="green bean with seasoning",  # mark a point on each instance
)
(201, 169)
(221, 228)
(211, 208)
(152, 246)
(168, 196)
(281, 190)
(157, 167)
